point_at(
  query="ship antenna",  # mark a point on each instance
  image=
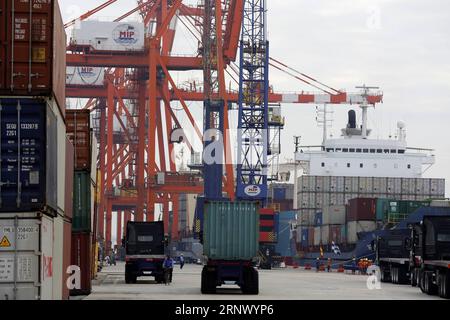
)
(364, 106)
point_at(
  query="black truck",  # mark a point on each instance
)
(145, 245)
(430, 255)
(393, 256)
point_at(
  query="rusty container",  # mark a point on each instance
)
(81, 257)
(79, 133)
(32, 50)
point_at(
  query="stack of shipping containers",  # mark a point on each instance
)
(84, 182)
(33, 201)
(328, 214)
(281, 196)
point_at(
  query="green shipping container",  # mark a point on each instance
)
(81, 221)
(231, 230)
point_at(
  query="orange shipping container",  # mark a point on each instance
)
(32, 50)
(79, 133)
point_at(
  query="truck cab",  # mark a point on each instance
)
(145, 245)
(430, 255)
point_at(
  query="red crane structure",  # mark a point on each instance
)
(135, 166)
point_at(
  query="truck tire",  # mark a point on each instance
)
(422, 281)
(129, 278)
(384, 275)
(159, 278)
(208, 285)
(414, 277)
(444, 288)
(394, 275)
(251, 281)
(430, 287)
(402, 277)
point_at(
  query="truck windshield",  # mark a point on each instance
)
(145, 239)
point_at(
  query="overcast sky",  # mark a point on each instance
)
(402, 46)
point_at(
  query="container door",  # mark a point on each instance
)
(24, 251)
(30, 40)
(23, 153)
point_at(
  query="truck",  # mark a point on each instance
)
(230, 237)
(430, 255)
(393, 256)
(145, 245)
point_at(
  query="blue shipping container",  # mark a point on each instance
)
(305, 237)
(279, 193)
(283, 245)
(28, 143)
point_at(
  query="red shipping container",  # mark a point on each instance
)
(68, 200)
(81, 256)
(361, 209)
(67, 252)
(78, 127)
(33, 50)
(335, 234)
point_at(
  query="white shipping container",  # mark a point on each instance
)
(304, 200)
(441, 188)
(326, 199)
(419, 186)
(333, 184)
(312, 200)
(353, 227)
(303, 184)
(326, 184)
(319, 183)
(319, 200)
(317, 236)
(426, 186)
(110, 36)
(33, 253)
(440, 203)
(312, 183)
(85, 76)
(348, 184)
(333, 215)
(355, 185)
(340, 183)
(58, 256)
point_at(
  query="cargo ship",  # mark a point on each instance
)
(352, 188)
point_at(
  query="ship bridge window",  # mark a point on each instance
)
(386, 150)
(401, 151)
(348, 165)
(393, 151)
(345, 150)
(379, 150)
(323, 164)
(358, 150)
(338, 149)
(330, 150)
(361, 165)
(352, 150)
(366, 150)
(372, 150)
(409, 166)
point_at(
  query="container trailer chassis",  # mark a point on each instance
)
(144, 265)
(220, 272)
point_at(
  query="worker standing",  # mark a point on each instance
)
(329, 265)
(168, 269)
(317, 264)
(181, 261)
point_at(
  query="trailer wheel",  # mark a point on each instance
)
(422, 281)
(430, 287)
(251, 281)
(444, 290)
(384, 275)
(208, 285)
(414, 278)
(129, 278)
(394, 275)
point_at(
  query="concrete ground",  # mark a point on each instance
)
(279, 284)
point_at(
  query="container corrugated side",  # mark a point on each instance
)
(32, 135)
(67, 252)
(82, 198)
(79, 133)
(68, 201)
(39, 44)
(231, 230)
(58, 257)
(81, 256)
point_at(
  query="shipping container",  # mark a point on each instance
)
(334, 215)
(318, 220)
(32, 139)
(79, 133)
(279, 193)
(354, 227)
(109, 36)
(223, 240)
(33, 50)
(82, 202)
(68, 195)
(311, 236)
(34, 250)
(85, 76)
(67, 256)
(426, 186)
(361, 209)
(58, 257)
(317, 236)
(304, 237)
(81, 257)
